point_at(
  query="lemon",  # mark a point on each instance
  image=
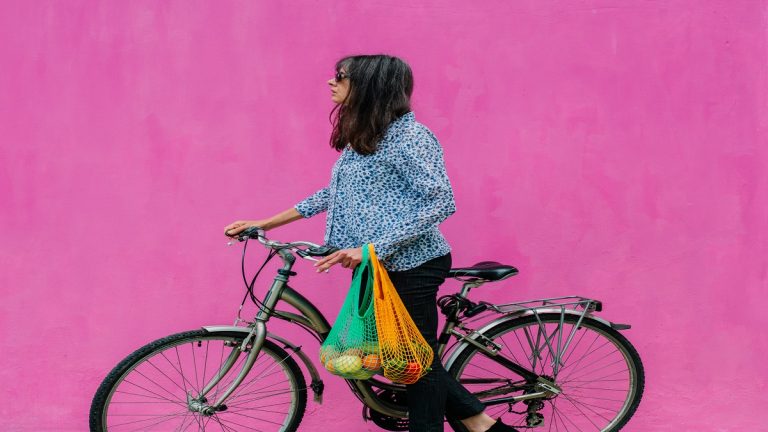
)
(348, 364)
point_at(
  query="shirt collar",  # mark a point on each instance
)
(404, 119)
(407, 117)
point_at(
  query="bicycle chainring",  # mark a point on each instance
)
(384, 421)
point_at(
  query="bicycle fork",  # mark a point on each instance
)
(255, 338)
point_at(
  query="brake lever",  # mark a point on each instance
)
(305, 255)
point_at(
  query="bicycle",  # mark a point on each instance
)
(541, 363)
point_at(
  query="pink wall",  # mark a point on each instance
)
(608, 148)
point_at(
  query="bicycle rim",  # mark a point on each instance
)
(148, 391)
(600, 374)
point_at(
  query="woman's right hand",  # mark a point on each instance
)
(235, 228)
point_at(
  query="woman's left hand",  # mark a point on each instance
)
(349, 258)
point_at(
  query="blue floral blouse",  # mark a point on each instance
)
(394, 198)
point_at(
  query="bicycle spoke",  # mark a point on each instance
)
(574, 346)
(157, 397)
(146, 427)
(575, 366)
(505, 345)
(182, 426)
(149, 362)
(260, 376)
(205, 363)
(150, 391)
(194, 362)
(216, 419)
(180, 370)
(225, 383)
(589, 418)
(257, 418)
(269, 395)
(156, 384)
(565, 425)
(530, 362)
(602, 378)
(620, 360)
(150, 418)
(244, 426)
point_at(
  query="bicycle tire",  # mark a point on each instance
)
(104, 393)
(629, 353)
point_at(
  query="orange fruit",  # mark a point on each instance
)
(372, 362)
(411, 373)
(412, 368)
(327, 354)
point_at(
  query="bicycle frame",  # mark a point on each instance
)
(312, 320)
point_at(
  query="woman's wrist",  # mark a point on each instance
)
(281, 219)
(268, 224)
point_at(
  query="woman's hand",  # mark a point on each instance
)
(235, 228)
(349, 258)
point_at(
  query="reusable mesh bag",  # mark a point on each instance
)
(405, 354)
(352, 348)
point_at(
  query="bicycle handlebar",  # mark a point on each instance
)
(312, 249)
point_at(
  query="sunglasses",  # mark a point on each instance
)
(340, 76)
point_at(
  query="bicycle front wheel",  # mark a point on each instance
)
(600, 374)
(150, 389)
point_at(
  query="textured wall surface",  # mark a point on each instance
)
(610, 149)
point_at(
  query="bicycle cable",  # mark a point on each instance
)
(249, 287)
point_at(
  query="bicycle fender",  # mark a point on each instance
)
(317, 383)
(465, 345)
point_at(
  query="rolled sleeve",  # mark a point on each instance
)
(313, 204)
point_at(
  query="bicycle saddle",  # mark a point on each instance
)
(488, 270)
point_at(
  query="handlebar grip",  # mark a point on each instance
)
(250, 232)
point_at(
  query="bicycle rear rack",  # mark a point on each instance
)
(572, 303)
(578, 306)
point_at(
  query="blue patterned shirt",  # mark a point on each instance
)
(394, 198)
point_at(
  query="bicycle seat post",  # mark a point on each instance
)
(468, 285)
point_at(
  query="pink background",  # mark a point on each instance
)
(610, 149)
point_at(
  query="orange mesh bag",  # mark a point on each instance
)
(405, 354)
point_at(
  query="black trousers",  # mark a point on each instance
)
(437, 393)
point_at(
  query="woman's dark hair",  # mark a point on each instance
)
(380, 88)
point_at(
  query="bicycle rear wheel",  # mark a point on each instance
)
(148, 391)
(601, 375)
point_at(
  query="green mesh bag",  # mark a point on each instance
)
(352, 348)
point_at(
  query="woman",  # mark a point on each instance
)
(389, 188)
